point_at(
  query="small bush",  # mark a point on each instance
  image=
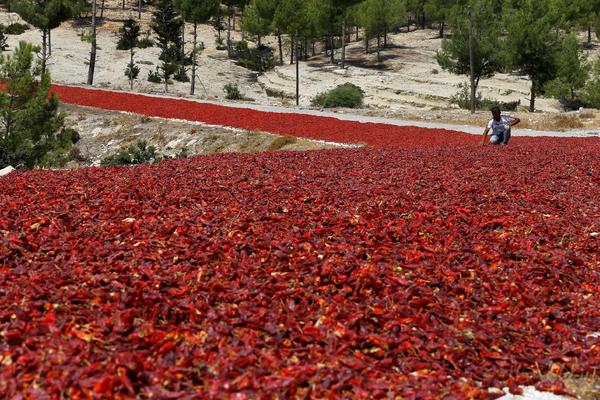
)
(140, 153)
(15, 28)
(145, 42)
(184, 152)
(259, 59)
(232, 92)
(3, 44)
(462, 98)
(345, 95)
(154, 76)
(132, 71)
(181, 75)
(220, 44)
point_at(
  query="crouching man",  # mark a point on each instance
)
(500, 126)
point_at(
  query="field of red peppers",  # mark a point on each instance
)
(416, 270)
(309, 126)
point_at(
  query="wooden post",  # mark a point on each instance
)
(297, 70)
(92, 65)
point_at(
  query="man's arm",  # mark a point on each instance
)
(485, 132)
(513, 121)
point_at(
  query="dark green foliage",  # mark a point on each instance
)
(132, 71)
(345, 95)
(463, 99)
(15, 28)
(168, 28)
(32, 128)
(128, 35)
(181, 75)
(154, 76)
(145, 41)
(454, 53)
(572, 73)
(140, 153)
(232, 92)
(591, 91)
(533, 41)
(3, 44)
(256, 59)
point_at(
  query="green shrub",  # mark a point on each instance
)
(145, 42)
(140, 153)
(462, 98)
(33, 132)
(590, 95)
(232, 92)
(3, 44)
(154, 77)
(256, 59)
(132, 71)
(15, 28)
(128, 35)
(344, 95)
(181, 75)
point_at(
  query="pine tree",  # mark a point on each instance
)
(379, 17)
(572, 71)
(344, 5)
(30, 124)
(196, 12)
(44, 15)
(128, 38)
(533, 39)
(454, 55)
(168, 26)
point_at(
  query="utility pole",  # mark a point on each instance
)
(471, 61)
(90, 79)
(297, 70)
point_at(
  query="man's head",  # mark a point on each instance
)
(496, 113)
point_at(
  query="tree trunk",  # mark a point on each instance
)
(280, 45)
(297, 70)
(102, 10)
(139, 9)
(44, 51)
(357, 38)
(90, 79)
(123, 5)
(193, 86)
(344, 40)
(183, 45)
(385, 38)
(331, 49)
(49, 42)
(589, 31)
(471, 62)
(442, 26)
(378, 48)
(229, 52)
(314, 50)
(131, 70)
(532, 99)
(306, 48)
(293, 39)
